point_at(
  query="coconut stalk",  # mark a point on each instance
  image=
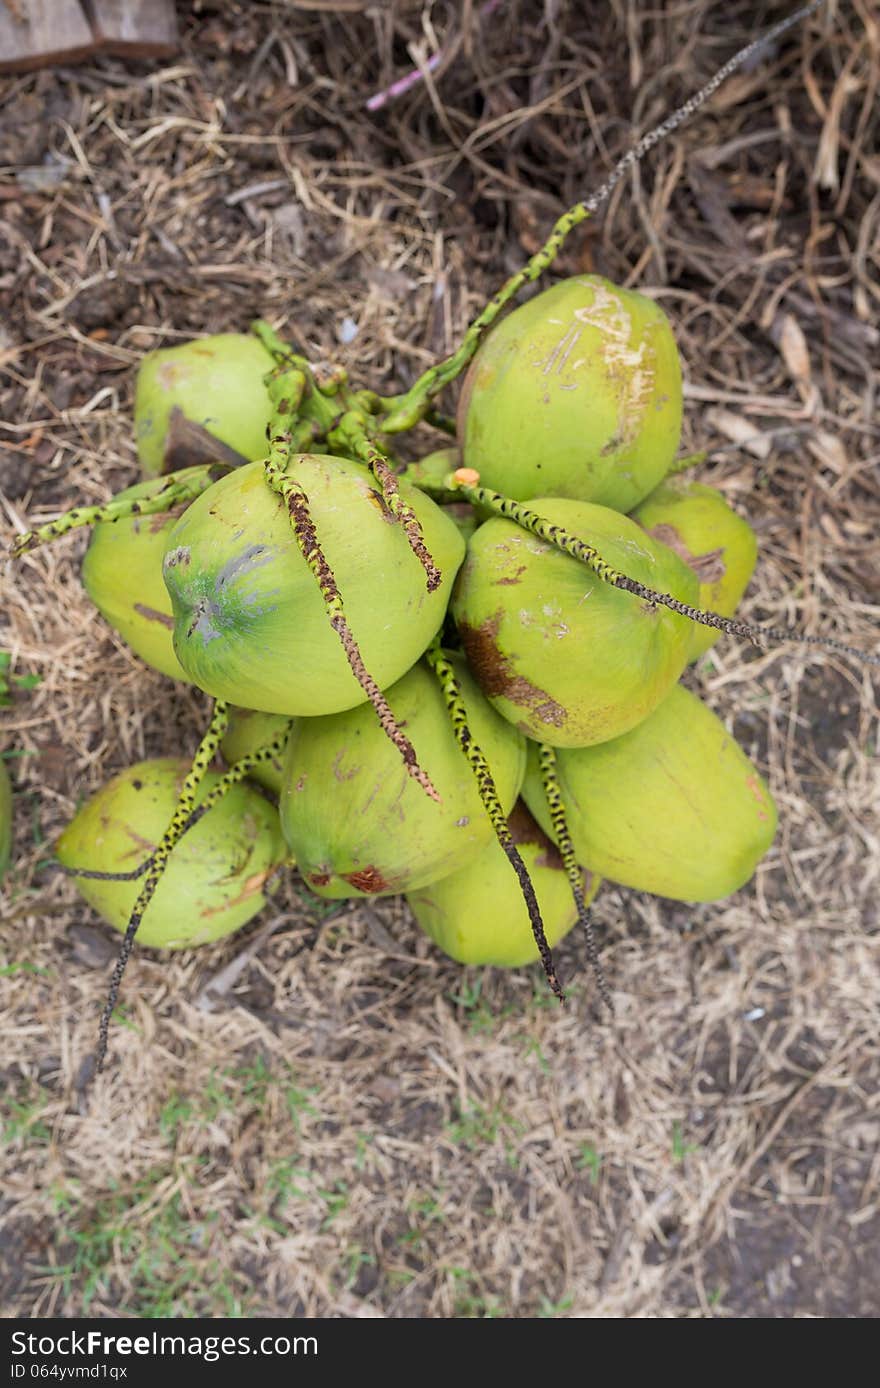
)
(573, 869)
(405, 411)
(467, 482)
(445, 675)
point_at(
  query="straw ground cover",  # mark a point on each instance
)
(321, 1115)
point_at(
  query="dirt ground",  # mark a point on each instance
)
(355, 1126)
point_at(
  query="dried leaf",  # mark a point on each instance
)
(828, 449)
(739, 430)
(793, 346)
(825, 171)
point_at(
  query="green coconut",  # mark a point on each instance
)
(249, 622)
(216, 876)
(216, 382)
(720, 547)
(674, 807)
(569, 659)
(122, 574)
(576, 393)
(5, 819)
(433, 469)
(247, 732)
(477, 915)
(358, 825)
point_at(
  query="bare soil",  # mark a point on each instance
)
(355, 1126)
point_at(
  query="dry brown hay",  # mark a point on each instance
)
(352, 1125)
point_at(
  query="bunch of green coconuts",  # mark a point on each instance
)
(571, 411)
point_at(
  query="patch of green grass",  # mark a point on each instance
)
(479, 1016)
(479, 1126)
(299, 1102)
(20, 966)
(252, 1081)
(470, 1302)
(548, 1308)
(122, 1017)
(23, 1120)
(411, 1238)
(225, 1090)
(282, 1183)
(532, 1046)
(362, 1144)
(427, 1208)
(542, 997)
(588, 1159)
(336, 1199)
(423, 1213)
(680, 1148)
(355, 1259)
(174, 1113)
(10, 684)
(164, 1253)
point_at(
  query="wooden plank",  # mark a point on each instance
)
(134, 28)
(36, 33)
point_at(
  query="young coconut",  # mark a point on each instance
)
(216, 875)
(122, 574)
(433, 469)
(359, 826)
(577, 393)
(720, 547)
(248, 731)
(568, 659)
(478, 915)
(673, 807)
(250, 623)
(215, 382)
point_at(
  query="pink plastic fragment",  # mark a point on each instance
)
(403, 84)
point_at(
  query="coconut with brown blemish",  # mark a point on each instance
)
(567, 658)
(576, 393)
(721, 548)
(358, 825)
(216, 877)
(673, 807)
(216, 383)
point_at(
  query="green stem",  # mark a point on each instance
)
(563, 540)
(205, 753)
(573, 870)
(449, 685)
(275, 345)
(685, 462)
(408, 409)
(286, 395)
(236, 772)
(352, 432)
(170, 491)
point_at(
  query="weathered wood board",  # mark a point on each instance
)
(38, 33)
(134, 28)
(35, 33)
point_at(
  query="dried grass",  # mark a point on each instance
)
(356, 1126)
